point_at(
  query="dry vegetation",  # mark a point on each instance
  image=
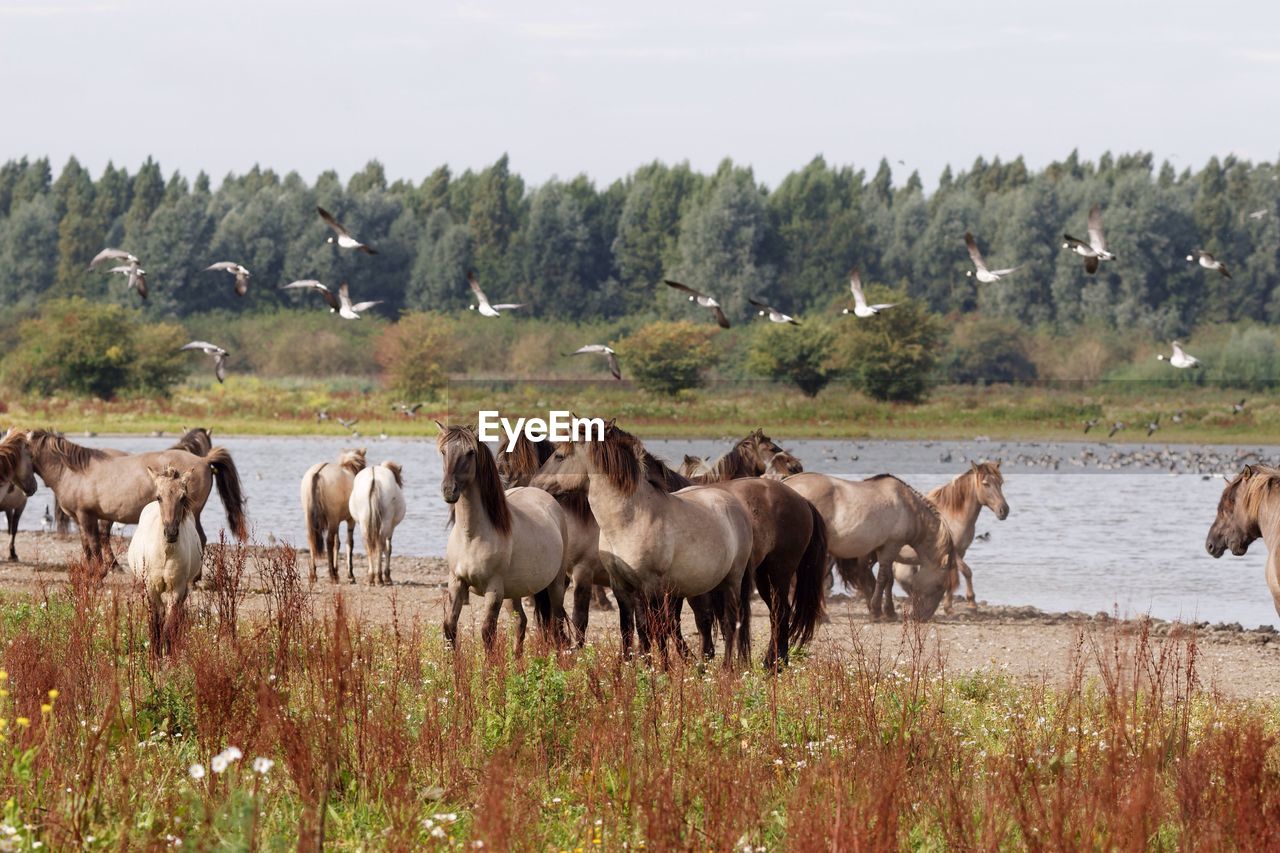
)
(377, 736)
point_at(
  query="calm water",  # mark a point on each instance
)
(1079, 538)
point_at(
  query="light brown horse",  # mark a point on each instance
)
(95, 485)
(520, 467)
(326, 493)
(1249, 509)
(165, 552)
(750, 456)
(658, 546)
(17, 482)
(876, 518)
(782, 466)
(960, 501)
(503, 545)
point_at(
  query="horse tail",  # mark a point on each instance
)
(229, 489)
(373, 526)
(856, 572)
(316, 539)
(811, 581)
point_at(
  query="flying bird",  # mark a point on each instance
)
(1208, 261)
(349, 425)
(241, 274)
(1259, 214)
(218, 353)
(407, 410)
(708, 302)
(1238, 408)
(311, 284)
(485, 308)
(607, 352)
(1179, 359)
(1152, 426)
(860, 306)
(1115, 428)
(346, 309)
(137, 276)
(1095, 250)
(983, 274)
(1090, 424)
(112, 255)
(773, 314)
(341, 235)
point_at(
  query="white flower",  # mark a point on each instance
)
(263, 765)
(438, 832)
(218, 763)
(196, 771)
(233, 753)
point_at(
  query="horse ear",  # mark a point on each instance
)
(998, 461)
(973, 465)
(612, 423)
(154, 474)
(442, 427)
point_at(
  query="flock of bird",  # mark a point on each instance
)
(1094, 251)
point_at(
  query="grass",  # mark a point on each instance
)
(380, 737)
(251, 406)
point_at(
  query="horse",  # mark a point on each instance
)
(165, 552)
(749, 457)
(960, 501)
(877, 517)
(377, 505)
(17, 483)
(519, 467)
(98, 485)
(781, 466)
(326, 493)
(503, 545)
(1249, 509)
(658, 545)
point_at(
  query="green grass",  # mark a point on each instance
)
(251, 406)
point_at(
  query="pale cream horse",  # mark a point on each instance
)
(377, 505)
(165, 553)
(326, 494)
(960, 502)
(503, 545)
(1249, 509)
(875, 519)
(17, 482)
(659, 547)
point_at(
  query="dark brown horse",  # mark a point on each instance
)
(750, 456)
(1248, 510)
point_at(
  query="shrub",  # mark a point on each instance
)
(666, 357)
(416, 352)
(985, 350)
(1248, 360)
(89, 349)
(798, 355)
(889, 356)
(280, 343)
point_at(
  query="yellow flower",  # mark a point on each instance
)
(3, 693)
(53, 693)
(3, 722)
(23, 721)
(4, 676)
(46, 709)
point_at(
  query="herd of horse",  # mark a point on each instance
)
(542, 518)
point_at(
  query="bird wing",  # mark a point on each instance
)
(220, 366)
(415, 407)
(222, 265)
(1009, 270)
(974, 254)
(1073, 242)
(678, 286)
(613, 365)
(365, 306)
(1091, 264)
(722, 320)
(107, 255)
(344, 296)
(763, 305)
(333, 223)
(507, 306)
(883, 306)
(312, 284)
(475, 288)
(590, 348)
(203, 346)
(1177, 350)
(855, 285)
(138, 279)
(1096, 238)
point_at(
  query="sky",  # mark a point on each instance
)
(604, 87)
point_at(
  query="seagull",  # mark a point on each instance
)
(348, 311)
(341, 235)
(407, 410)
(1238, 408)
(312, 284)
(702, 299)
(137, 276)
(241, 274)
(983, 274)
(1090, 424)
(1115, 428)
(112, 255)
(350, 425)
(1208, 262)
(1152, 426)
(218, 353)
(485, 308)
(1259, 214)
(1179, 359)
(774, 314)
(607, 352)
(1096, 249)
(860, 306)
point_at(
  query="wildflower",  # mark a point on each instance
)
(218, 763)
(196, 771)
(53, 694)
(262, 765)
(438, 832)
(22, 721)
(4, 676)
(46, 709)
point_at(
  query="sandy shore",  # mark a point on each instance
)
(1021, 641)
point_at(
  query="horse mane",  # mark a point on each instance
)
(171, 473)
(492, 496)
(397, 471)
(619, 458)
(731, 466)
(693, 466)
(74, 456)
(195, 441)
(951, 497)
(352, 460)
(576, 502)
(523, 462)
(1263, 482)
(10, 454)
(663, 478)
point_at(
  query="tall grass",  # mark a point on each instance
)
(380, 737)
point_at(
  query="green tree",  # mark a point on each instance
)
(890, 356)
(416, 352)
(987, 350)
(796, 355)
(667, 357)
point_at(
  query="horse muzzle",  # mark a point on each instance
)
(1003, 512)
(171, 536)
(449, 493)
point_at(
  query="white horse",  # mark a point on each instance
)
(377, 505)
(165, 553)
(503, 545)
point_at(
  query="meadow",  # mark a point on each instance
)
(293, 723)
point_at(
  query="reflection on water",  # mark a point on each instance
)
(1076, 539)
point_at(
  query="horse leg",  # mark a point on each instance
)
(884, 579)
(777, 633)
(882, 594)
(493, 606)
(91, 542)
(967, 573)
(729, 615)
(386, 563)
(155, 617)
(581, 609)
(173, 622)
(457, 598)
(375, 561)
(600, 598)
(13, 515)
(332, 539)
(704, 617)
(522, 624)
(626, 620)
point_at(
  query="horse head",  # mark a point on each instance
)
(1236, 525)
(172, 494)
(988, 486)
(17, 465)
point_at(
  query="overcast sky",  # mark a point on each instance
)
(604, 87)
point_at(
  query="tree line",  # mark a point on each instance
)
(574, 250)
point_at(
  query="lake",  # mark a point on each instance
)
(1112, 529)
